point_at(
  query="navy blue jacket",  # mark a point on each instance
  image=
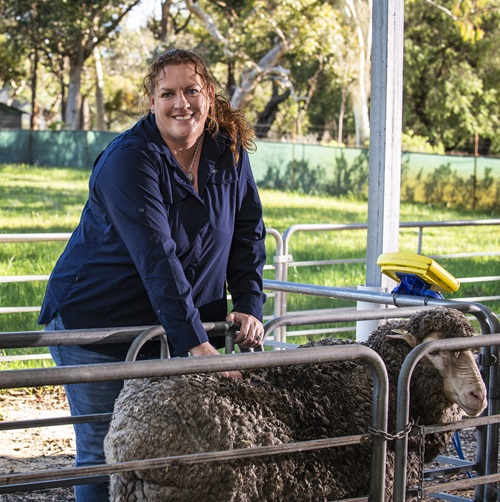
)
(149, 249)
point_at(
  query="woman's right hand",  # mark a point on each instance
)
(205, 349)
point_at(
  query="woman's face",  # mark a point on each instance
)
(180, 104)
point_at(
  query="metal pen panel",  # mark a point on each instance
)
(179, 366)
(403, 400)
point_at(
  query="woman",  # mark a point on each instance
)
(173, 215)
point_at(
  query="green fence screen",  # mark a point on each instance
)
(466, 181)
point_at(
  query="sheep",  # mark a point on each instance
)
(157, 417)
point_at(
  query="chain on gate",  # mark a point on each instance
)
(421, 449)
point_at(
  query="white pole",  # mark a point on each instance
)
(385, 139)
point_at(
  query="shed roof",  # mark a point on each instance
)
(10, 109)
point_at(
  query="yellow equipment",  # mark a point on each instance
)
(418, 275)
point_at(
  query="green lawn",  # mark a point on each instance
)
(38, 199)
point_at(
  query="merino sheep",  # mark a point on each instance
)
(157, 417)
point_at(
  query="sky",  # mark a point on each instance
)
(142, 11)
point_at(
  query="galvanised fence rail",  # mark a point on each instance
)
(487, 453)
(284, 260)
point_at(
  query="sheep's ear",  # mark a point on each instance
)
(402, 334)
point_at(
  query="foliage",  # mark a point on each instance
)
(450, 92)
(487, 192)
(446, 187)
(299, 176)
(452, 62)
(411, 142)
(13, 69)
(311, 34)
(125, 61)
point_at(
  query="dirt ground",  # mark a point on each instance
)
(37, 448)
(54, 447)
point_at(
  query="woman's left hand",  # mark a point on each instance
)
(251, 332)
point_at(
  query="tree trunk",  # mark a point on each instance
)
(358, 16)
(266, 117)
(252, 75)
(100, 123)
(340, 132)
(84, 114)
(210, 26)
(359, 102)
(231, 81)
(166, 21)
(34, 100)
(72, 118)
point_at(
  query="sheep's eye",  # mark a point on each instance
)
(434, 354)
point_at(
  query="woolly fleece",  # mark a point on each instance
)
(158, 417)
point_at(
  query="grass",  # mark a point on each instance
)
(38, 199)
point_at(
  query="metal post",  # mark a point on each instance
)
(279, 274)
(385, 135)
(491, 463)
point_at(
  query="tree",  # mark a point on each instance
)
(24, 23)
(77, 30)
(293, 65)
(450, 91)
(261, 43)
(55, 31)
(125, 60)
(267, 66)
(357, 15)
(99, 91)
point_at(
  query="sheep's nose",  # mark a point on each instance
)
(479, 397)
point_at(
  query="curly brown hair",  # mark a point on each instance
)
(221, 115)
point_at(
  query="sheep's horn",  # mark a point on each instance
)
(404, 335)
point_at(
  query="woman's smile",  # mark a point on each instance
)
(180, 105)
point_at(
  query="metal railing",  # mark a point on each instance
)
(486, 464)
(490, 369)
(287, 258)
(486, 461)
(486, 467)
(141, 369)
(283, 258)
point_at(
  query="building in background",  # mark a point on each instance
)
(10, 117)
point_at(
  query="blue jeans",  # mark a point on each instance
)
(84, 399)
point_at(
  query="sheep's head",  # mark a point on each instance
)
(462, 382)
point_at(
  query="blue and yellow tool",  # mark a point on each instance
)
(417, 275)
